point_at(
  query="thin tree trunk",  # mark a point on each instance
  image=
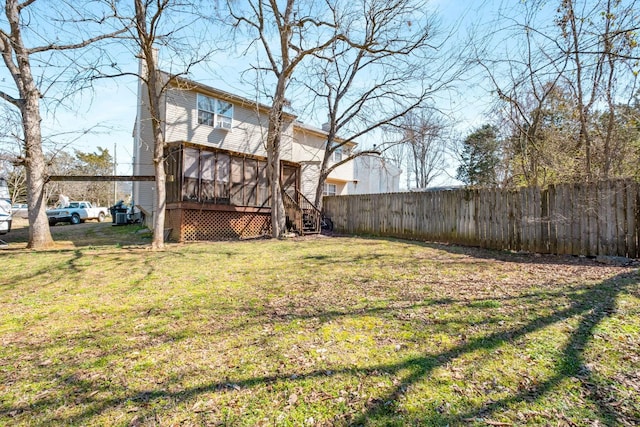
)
(151, 76)
(322, 176)
(608, 52)
(153, 88)
(278, 214)
(320, 188)
(29, 105)
(160, 193)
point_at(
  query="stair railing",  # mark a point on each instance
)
(303, 216)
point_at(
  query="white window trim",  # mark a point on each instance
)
(327, 192)
(338, 153)
(220, 121)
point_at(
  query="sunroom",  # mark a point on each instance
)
(216, 194)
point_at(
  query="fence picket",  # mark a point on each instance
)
(631, 209)
(551, 227)
(620, 219)
(580, 219)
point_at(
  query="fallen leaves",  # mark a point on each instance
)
(395, 332)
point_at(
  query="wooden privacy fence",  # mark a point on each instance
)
(576, 219)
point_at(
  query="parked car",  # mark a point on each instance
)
(5, 208)
(76, 212)
(20, 210)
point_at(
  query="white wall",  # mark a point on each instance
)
(308, 149)
(373, 174)
(143, 192)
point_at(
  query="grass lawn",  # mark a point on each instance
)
(317, 331)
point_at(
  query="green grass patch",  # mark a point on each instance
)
(317, 331)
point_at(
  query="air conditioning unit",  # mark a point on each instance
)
(121, 218)
(223, 125)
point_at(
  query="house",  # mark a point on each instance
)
(215, 161)
(374, 174)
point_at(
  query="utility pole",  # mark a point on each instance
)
(115, 183)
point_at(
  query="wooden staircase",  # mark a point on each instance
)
(302, 216)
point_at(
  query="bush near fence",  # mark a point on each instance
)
(577, 219)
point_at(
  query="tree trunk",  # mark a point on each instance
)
(320, 189)
(278, 214)
(29, 105)
(161, 191)
(160, 199)
(274, 135)
(583, 107)
(324, 173)
(609, 54)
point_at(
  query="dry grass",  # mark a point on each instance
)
(322, 331)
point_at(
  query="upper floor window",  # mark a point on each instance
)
(214, 112)
(337, 154)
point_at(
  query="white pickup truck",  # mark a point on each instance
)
(76, 212)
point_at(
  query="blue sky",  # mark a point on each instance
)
(113, 105)
(109, 111)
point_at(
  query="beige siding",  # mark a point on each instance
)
(341, 186)
(286, 147)
(247, 134)
(343, 172)
(309, 179)
(308, 147)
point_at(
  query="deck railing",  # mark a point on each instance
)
(302, 215)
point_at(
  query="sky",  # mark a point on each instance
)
(109, 111)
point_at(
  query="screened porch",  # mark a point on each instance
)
(215, 194)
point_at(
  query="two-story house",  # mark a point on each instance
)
(217, 185)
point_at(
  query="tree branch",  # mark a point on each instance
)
(17, 102)
(79, 45)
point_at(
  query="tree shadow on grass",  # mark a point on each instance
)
(82, 235)
(478, 253)
(593, 304)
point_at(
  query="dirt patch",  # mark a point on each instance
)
(84, 234)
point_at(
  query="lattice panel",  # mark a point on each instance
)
(219, 225)
(172, 221)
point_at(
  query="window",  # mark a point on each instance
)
(223, 168)
(337, 154)
(330, 190)
(214, 112)
(191, 168)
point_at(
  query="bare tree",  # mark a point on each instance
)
(378, 72)
(10, 153)
(600, 38)
(146, 27)
(552, 80)
(27, 21)
(287, 34)
(424, 135)
(573, 28)
(172, 24)
(524, 76)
